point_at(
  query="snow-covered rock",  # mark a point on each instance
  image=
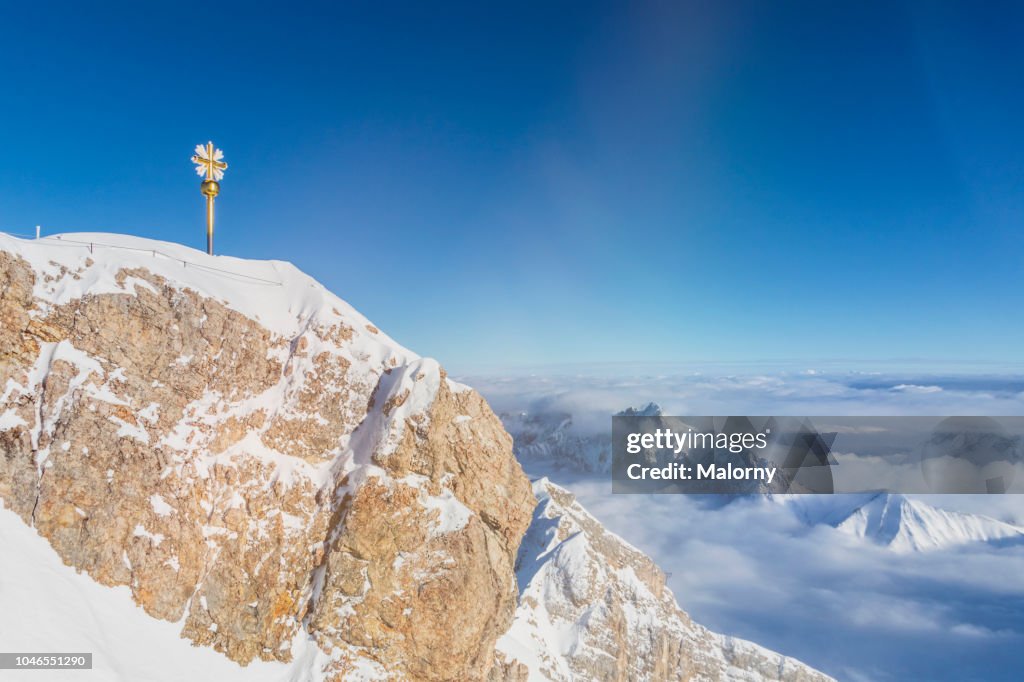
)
(253, 459)
(592, 607)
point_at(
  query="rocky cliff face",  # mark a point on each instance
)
(592, 607)
(255, 461)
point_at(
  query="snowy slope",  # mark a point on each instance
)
(48, 607)
(902, 523)
(275, 293)
(594, 607)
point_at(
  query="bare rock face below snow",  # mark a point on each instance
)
(593, 607)
(255, 480)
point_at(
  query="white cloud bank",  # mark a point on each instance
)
(853, 609)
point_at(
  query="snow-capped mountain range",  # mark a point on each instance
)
(899, 522)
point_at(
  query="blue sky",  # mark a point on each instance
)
(552, 183)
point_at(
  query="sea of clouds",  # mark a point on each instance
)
(750, 568)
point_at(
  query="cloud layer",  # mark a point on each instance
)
(750, 568)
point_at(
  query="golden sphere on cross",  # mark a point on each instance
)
(210, 188)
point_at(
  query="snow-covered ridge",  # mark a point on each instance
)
(594, 607)
(275, 293)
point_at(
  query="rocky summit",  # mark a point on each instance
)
(260, 465)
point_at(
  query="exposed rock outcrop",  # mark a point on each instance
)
(254, 479)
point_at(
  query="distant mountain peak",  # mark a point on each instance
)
(902, 523)
(648, 410)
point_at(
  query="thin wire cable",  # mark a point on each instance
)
(61, 241)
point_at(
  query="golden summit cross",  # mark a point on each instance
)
(209, 161)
